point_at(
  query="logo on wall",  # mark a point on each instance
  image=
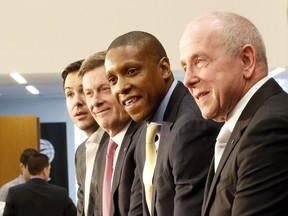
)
(47, 148)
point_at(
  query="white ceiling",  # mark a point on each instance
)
(39, 39)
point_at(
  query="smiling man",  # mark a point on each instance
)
(140, 77)
(113, 193)
(87, 150)
(225, 64)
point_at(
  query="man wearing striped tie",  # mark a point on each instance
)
(115, 169)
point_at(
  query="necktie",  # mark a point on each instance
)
(150, 162)
(106, 196)
(220, 145)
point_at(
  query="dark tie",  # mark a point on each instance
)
(106, 197)
(150, 163)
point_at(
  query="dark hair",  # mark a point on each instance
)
(71, 68)
(36, 163)
(92, 62)
(146, 43)
(26, 154)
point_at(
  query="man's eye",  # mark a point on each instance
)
(201, 62)
(69, 94)
(106, 89)
(131, 71)
(88, 93)
(112, 80)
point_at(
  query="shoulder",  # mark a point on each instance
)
(12, 183)
(81, 147)
(57, 188)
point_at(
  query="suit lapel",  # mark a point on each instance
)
(208, 186)
(122, 154)
(267, 90)
(81, 161)
(172, 108)
(169, 118)
(212, 179)
(93, 184)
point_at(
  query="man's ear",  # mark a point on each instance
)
(46, 172)
(165, 67)
(248, 57)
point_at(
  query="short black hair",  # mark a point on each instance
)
(146, 43)
(71, 68)
(36, 163)
(26, 154)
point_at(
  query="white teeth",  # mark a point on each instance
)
(129, 101)
(202, 95)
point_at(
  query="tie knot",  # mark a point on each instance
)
(151, 132)
(223, 135)
(111, 147)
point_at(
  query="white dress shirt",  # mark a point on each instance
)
(92, 145)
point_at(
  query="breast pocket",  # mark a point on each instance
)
(226, 189)
(165, 181)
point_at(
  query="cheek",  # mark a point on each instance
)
(69, 105)
(89, 105)
(69, 109)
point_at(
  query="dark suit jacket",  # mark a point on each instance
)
(252, 176)
(37, 197)
(80, 163)
(123, 175)
(184, 154)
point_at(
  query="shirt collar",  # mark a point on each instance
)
(158, 117)
(118, 138)
(238, 109)
(95, 137)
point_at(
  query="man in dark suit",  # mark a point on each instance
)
(36, 196)
(87, 151)
(140, 77)
(225, 62)
(122, 130)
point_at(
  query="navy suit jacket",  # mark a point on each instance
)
(184, 154)
(252, 175)
(37, 197)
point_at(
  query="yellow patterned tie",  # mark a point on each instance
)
(150, 162)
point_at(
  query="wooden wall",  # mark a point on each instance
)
(16, 134)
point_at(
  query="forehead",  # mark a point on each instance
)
(95, 76)
(72, 80)
(199, 38)
(122, 52)
(124, 55)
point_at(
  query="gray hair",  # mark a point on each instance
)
(236, 32)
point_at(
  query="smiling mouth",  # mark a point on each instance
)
(101, 111)
(130, 101)
(199, 96)
(80, 114)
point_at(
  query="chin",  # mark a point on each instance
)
(206, 115)
(137, 117)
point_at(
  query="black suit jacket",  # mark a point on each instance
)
(123, 175)
(252, 176)
(37, 197)
(80, 164)
(185, 151)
